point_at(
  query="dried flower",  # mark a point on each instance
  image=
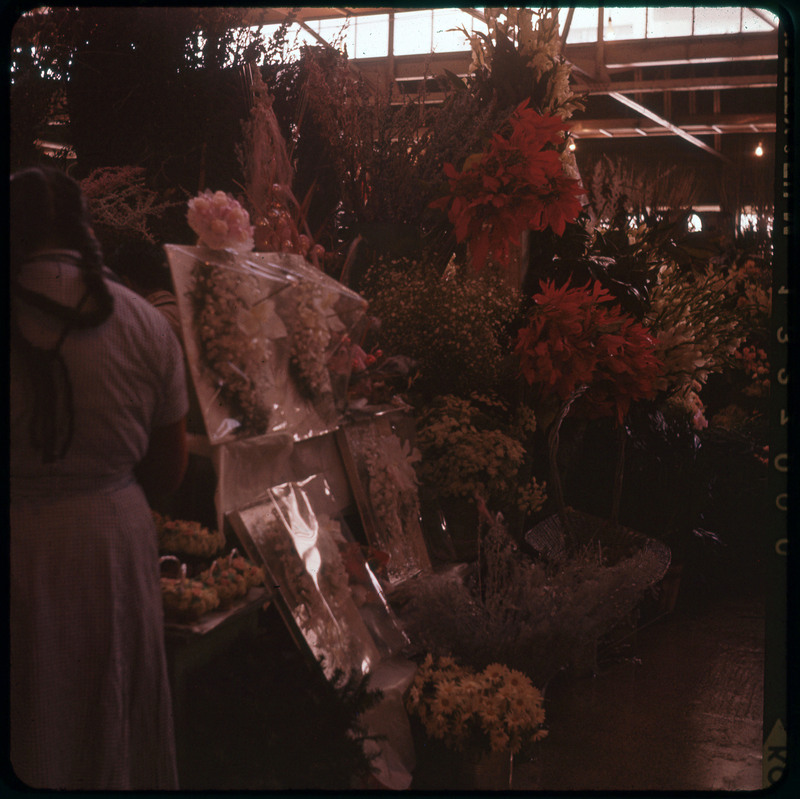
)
(533, 615)
(119, 199)
(220, 222)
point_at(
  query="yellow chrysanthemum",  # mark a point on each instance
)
(446, 700)
(516, 679)
(495, 671)
(455, 703)
(499, 741)
(445, 662)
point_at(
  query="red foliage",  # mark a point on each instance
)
(578, 336)
(516, 184)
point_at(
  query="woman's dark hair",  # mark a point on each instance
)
(48, 211)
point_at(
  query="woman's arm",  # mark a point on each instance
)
(163, 466)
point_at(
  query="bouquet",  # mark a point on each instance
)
(495, 710)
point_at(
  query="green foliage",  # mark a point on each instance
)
(455, 327)
(369, 162)
(477, 446)
(142, 88)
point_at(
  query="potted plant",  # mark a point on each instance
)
(579, 348)
(489, 715)
(478, 447)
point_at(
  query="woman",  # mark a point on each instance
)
(97, 404)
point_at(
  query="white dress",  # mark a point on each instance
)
(90, 700)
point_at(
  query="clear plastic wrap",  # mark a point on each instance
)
(381, 470)
(305, 564)
(247, 468)
(265, 337)
(365, 568)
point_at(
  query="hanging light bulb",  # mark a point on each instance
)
(571, 145)
(759, 150)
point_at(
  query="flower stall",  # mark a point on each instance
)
(269, 341)
(466, 408)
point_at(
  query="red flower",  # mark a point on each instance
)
(516, 184)
(532, 131)
(577, 336)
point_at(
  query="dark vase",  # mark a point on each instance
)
(451, 527)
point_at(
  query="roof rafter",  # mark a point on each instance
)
(678, 131)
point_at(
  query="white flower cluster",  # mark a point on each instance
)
(539, 42)
(239, 360)
(392, 490)
(694, 333)
(311, 338)
(220, 222)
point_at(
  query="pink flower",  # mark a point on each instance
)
(220, 222)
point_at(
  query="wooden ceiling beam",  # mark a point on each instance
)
(658, 119)
(628, 54)
(706, 125)
(687, 84)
